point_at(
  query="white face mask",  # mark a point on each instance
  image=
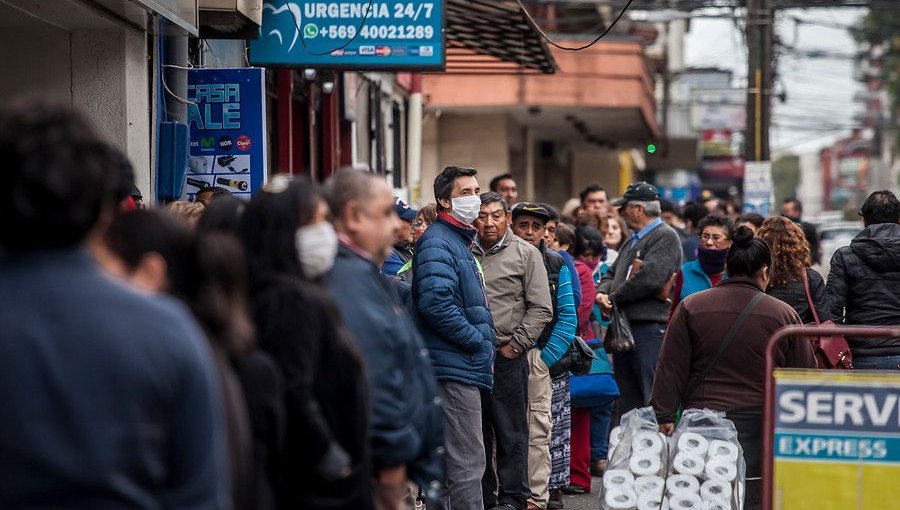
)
(466, 209)
(316, 247)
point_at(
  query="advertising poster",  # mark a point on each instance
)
(837, 440)
(227, 130)
(357, 34)
(758, 187)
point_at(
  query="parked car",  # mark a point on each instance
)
(833, 236)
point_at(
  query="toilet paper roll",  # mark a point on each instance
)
(715, 504)
(620, 499)
(723, 450)
(618, 478)
(715, 489)
(693, 443)
(685, 501)
(649, 487)
(647, 442)
(721, 470)
(615, 436)
(688, 464)
(645, 464)
(676, 484)
(648, 503)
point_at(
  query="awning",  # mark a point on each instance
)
(493, 37)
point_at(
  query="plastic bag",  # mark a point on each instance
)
(618, 335)
(706, 466)
(638, 461)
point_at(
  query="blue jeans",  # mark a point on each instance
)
(876, 362)
(635, 369)
(600, 420)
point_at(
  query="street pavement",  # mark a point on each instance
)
(585, 501)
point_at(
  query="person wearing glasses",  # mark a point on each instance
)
(708, 269)
(404, 242)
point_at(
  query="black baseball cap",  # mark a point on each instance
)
(638, 192)
(531, 209)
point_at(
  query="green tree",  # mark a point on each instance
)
(882, 27)
(786, 177)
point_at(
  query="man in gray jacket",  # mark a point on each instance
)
(638, 282)
(518, 293)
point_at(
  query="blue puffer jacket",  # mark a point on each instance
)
(448, 296)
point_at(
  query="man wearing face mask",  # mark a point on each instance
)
(449, 299)
(405, 429)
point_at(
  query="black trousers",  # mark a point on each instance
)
(749, 429)
(505, 424)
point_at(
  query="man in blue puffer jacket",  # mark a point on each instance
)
(449, 300)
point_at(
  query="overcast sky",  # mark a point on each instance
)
(819, 105)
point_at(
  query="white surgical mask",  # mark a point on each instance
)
(316, 247)
(466, 209)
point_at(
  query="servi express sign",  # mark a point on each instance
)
(357, 34)
(837, 440)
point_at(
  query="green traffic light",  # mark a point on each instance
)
(651, 148)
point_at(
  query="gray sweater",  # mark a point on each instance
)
(661, 253)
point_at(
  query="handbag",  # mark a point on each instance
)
(619, 337)
(577, 359)
(832, 352)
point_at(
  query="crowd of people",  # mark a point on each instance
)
(332, 347)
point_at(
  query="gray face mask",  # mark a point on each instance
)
(466, 209)
(316, 247)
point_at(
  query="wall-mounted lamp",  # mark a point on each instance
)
(309, 74)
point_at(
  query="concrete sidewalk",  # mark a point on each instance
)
(585, 501)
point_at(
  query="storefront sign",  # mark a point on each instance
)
(353, 34)
(227, 125)
(758, 187)
(837, 440)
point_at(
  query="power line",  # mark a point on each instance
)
(534, 25)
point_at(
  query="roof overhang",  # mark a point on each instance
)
(493, 37)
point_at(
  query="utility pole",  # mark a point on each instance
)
(760, 16)
(757, 186)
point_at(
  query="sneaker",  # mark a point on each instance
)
(574, 490)
(555, 502)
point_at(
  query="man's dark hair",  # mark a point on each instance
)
(495, 182)
(753, 218)
(492, 197)
(58, 177)
(881, 207)
(666, 205)
(714, 220)
(748, 254)
(565, 235)
(591, 188)
(694, 212)
(222, 215)
(215, 191)
(554, 212)
(794, 202)
(443, 183)
(346, 186)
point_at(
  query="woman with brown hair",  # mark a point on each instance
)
(791, 272)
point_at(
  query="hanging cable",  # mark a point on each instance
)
(534, 24)
(329, 52)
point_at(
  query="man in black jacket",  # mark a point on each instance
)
(864, 284)
(406, 428)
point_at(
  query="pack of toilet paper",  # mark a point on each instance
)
(637, 463)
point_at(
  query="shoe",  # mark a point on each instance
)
(598, 467)
(555, 502)
(532, 506)
(574, 490)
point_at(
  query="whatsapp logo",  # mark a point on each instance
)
(310, 30)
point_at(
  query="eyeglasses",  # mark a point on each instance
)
(714, 238)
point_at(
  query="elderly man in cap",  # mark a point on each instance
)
(639, 282)
(404, 243)
(529, 222)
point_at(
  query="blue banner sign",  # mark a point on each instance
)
(353, 34)
(227, 131)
